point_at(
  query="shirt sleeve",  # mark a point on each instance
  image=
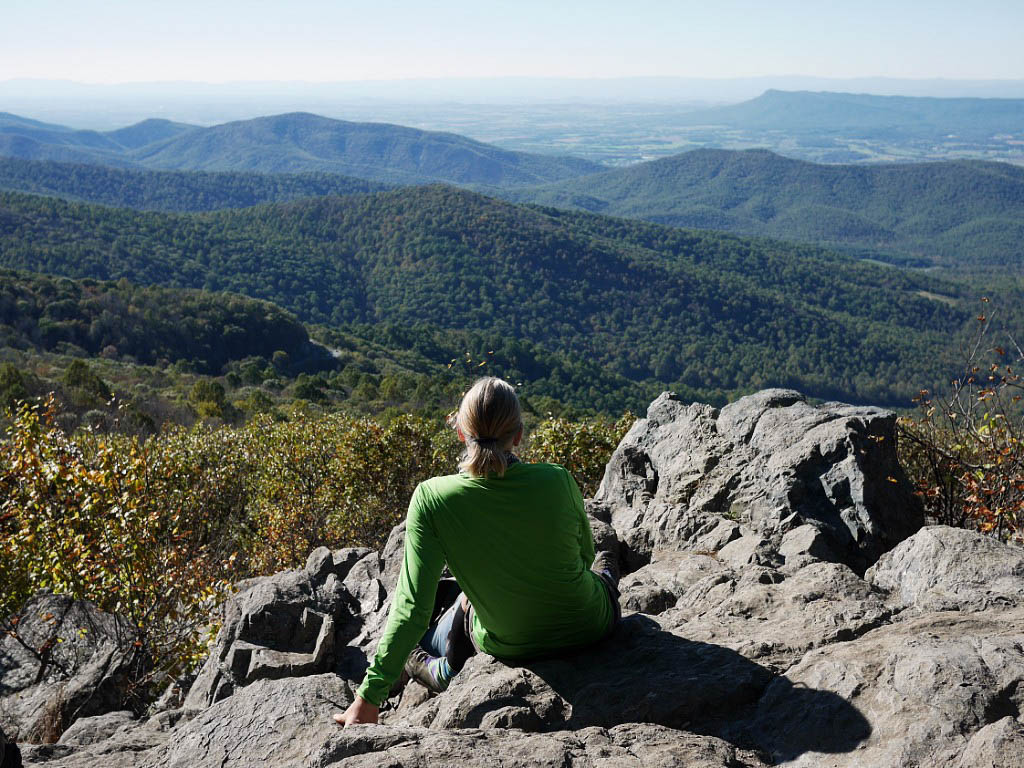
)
(586, 535)
(412, 603)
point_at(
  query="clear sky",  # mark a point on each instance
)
(335, 40)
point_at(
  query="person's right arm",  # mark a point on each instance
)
(412, 603)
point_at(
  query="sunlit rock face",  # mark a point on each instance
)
(782, 605)
(692, 477)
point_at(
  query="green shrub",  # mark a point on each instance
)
(336, 481)
(12, 386)
(142, 529)
(79, 376)
(582, 447)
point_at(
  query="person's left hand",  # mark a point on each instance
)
(360, 711)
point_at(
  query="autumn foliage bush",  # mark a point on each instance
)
(141, 529)
(335, 481)
(963, 447)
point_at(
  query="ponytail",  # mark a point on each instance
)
(490, 418)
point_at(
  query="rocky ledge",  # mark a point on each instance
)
(782, 605)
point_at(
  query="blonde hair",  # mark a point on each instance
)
(489, 418)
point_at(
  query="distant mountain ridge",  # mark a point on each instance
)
(291, 143)
(149, 131)
(803, 112)
(958, 212)
(32, 139)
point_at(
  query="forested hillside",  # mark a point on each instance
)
(292, 143)
(706, 313)
(146, 324)
(958, 214)
(962, 215)
(32, 139)
(171, 190)
(144, 337)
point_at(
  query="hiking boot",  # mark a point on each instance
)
(422, 667)
(607, 563)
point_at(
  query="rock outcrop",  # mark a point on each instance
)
(696, 478)
(64, 663)
(950, 569)
(292, 624)
(781, 606)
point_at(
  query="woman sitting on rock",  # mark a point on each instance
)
(517, 540)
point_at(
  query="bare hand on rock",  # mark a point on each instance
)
(359, 712)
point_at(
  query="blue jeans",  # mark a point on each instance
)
(435, 641)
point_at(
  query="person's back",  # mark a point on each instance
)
(520, 547)
(517, 540)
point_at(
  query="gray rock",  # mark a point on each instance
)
(72, 630)
(747, 550)
(42, 712)
(775, 619)
(269, 722)
(803, 545)
(769, 461)
(950, 569)
(289, 624)
(624, 746)
(322, 563)
(923, 688)
(66, 662)
(605, 538)
(721, 535)
(658, 585)
(92, 730)
(135, 744)
(641, 673)
(998, 745)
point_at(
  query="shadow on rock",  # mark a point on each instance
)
(822, 722)
(642, 674)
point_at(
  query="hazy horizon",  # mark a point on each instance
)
(414, 101)
(117, 41)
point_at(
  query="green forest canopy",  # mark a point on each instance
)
(695, 310)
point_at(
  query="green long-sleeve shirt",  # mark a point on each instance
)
(520, 547)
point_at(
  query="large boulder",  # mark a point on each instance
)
(282, 723)
(269, 722)
(770, 616)
(775, 619)
(623, 746)
(92, 730)
(640, 674)
(949, 569)
(691, 477)
(66, 659)
(133, 744)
